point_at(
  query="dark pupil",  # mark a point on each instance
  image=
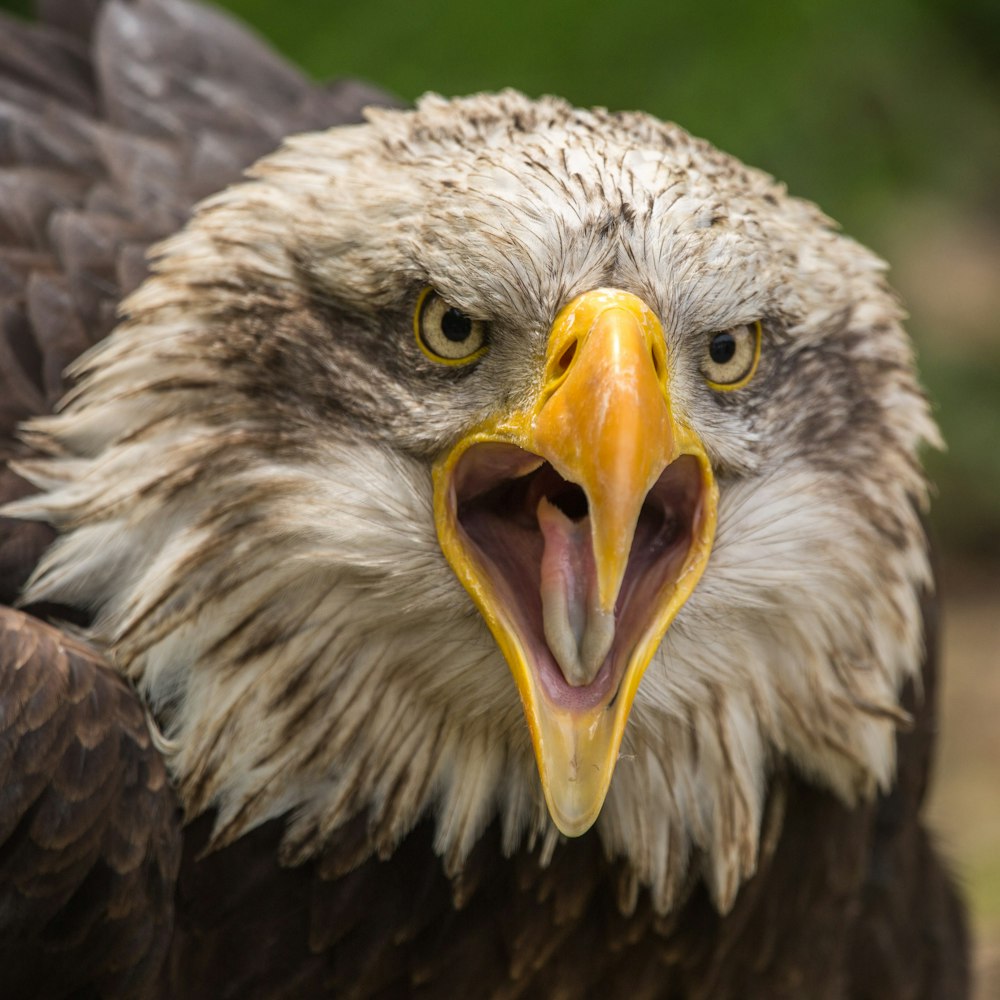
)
(722, 348)
(456, 326)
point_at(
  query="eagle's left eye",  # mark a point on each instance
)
(730, 357)
(445, 334)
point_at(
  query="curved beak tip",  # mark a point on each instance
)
(579, 534)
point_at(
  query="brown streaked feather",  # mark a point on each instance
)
(345, 924)
(829, 914)
(912, 920)
(818, 920)
(90, 833)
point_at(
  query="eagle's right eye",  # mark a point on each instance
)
(445, 334)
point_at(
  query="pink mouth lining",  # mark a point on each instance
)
(497, 492)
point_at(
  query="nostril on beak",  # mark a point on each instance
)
(566, 358)
(657, 361)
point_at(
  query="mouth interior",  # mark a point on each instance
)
(497, 492)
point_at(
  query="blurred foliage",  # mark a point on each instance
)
(966, 505)
(873, 108)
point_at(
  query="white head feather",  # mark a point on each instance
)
(241, 479)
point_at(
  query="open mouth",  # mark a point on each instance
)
(580, 522)
(529, 530)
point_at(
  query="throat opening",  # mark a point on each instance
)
(527, 529)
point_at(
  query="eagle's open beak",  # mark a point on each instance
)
(580, 524)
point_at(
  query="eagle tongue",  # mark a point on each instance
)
(578, 631)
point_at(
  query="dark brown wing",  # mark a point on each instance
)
(115, 118)
(90, 832)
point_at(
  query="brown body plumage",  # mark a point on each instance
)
(241, 477)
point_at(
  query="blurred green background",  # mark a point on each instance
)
(886, 113)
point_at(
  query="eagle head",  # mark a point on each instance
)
(502, 460)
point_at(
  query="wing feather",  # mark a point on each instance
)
(90, 830)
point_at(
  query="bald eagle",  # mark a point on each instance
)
(482, 557)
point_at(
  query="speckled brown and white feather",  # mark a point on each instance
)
(241, 481)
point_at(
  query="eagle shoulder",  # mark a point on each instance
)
(90, 829)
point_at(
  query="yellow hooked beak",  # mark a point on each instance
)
(580, 524)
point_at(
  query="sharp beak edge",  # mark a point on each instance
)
(580, 524)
